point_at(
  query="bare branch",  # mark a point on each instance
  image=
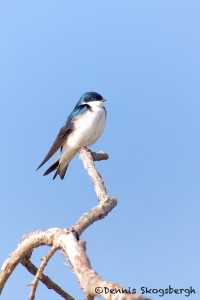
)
(95, 214)
(87, 160)
(107, 203)
(45, 279)
(101, 155)
(45, 260)
(89, 280)
(68, 241)
(26, 245)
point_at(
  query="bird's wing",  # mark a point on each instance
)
(65, 130)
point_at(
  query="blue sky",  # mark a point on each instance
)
(143, 56)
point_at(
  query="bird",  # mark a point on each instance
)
(82, 128)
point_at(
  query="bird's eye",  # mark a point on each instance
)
(96, 97)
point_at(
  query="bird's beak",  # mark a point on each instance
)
(104, 100)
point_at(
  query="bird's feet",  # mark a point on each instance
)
(84, 148)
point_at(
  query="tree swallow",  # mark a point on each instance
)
(82, 128)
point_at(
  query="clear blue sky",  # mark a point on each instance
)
(144, 57)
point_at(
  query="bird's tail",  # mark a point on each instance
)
(60, 172)
(60, 165)
(52, 167)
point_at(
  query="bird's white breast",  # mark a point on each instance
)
(88, 127)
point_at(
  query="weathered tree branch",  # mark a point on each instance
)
(95, 214)
(89, 280)
(45, 260)
(26, 245)
(68, 240)
(45, 279)
(88, 162)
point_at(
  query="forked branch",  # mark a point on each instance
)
(68, 241)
